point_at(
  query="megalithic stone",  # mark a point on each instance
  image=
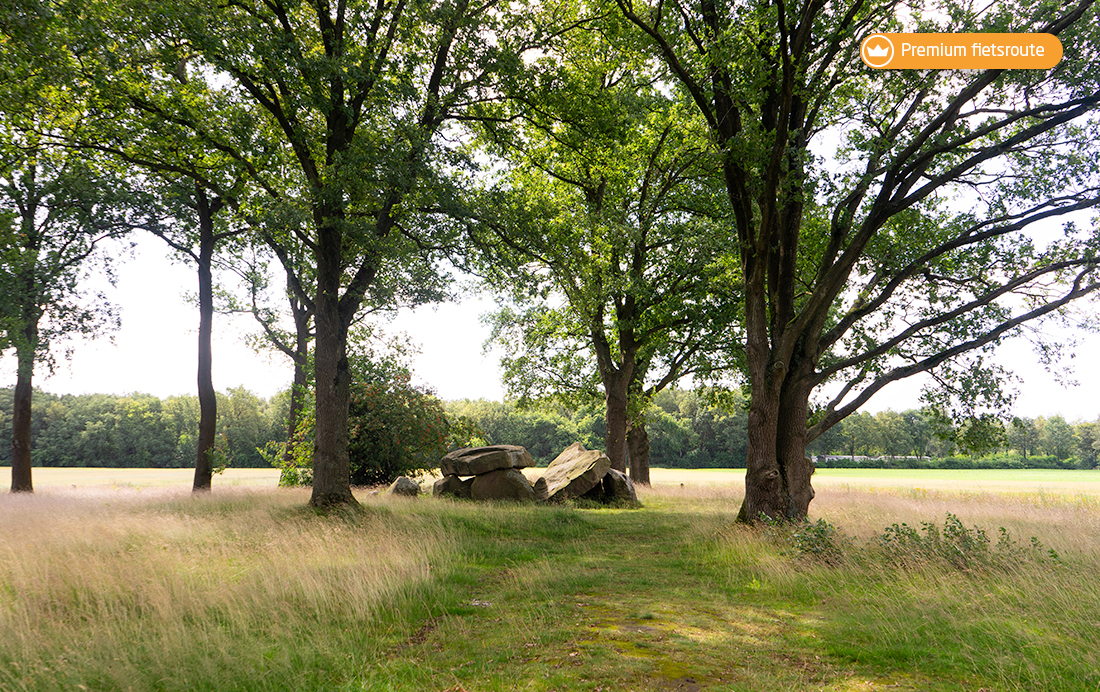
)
(474, 461)
(573, 473)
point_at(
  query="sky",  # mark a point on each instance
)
(154, 352)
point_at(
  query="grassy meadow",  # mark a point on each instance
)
(137, 587)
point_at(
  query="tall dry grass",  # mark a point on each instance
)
(1017, 619)
(162, 590)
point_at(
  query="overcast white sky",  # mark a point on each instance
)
(155, 351)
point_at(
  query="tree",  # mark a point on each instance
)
(980, 435)
(128, 114)
(1059, 439)
(353, 97)
(1088, 443)
(895, 435)
(604, 235)
(919, 430)
(208, 231)
(859, 267)
(58, 209)
(863, 434)
(1023, 435)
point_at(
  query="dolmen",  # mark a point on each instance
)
(494, 473)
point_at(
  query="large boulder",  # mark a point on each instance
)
(502, 484)
(404, 486)
(453, 486)
(618, 486)
(474, 461)
(615, 487)
(573, 473)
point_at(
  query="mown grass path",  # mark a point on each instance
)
(650, 599)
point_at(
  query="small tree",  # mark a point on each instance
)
(57, 212)
(1059, 439)
(1023, 436)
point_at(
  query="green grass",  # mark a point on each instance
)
(247, 590)
(1022, 475)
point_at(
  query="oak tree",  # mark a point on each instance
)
(605, 233)
(355, 97)
(884, 221)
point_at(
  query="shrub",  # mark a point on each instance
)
(394, 429)
(956, 545)
(817, 541)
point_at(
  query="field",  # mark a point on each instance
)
(127, 582)
(999, 480)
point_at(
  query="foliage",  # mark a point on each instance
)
(296, 458)
(395, 429)
(143, 431)
(956, 545)
(817, 541)
(687, 431)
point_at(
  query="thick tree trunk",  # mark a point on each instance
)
(777, 478)
(21, 417)
(762, 484)
(617, 399)
(795, 468)
(208, 400)
(331, 467)
(638, 444)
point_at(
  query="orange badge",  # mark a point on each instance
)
(961, 51)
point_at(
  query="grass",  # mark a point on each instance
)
(247, 590)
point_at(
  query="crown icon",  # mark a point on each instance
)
(878, 52)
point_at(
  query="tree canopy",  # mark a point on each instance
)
(605, 232)
(884, 220)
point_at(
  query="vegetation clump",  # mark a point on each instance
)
(956, 545)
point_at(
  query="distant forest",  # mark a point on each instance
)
(687, 429)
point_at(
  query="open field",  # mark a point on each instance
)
(50, 477)
(151, 588)
(963, 480)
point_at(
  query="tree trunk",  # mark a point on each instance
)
(762, 484)
(301, 377)
(777, 478)
(638, 443)
(21, 414)
(794, 467)
(331, 467)
(208, 400)
(616, 388)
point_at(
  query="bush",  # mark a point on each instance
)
(394, 429)
(817, 541)
(956, 545)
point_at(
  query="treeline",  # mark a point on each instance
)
(918, 439)
(144, 431)
(687, 429)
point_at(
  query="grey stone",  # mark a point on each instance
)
(453, 486)
(573, 473)
(474, 461)
(614, 488)
(404, 486)
(618, 486)
(502, 484)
